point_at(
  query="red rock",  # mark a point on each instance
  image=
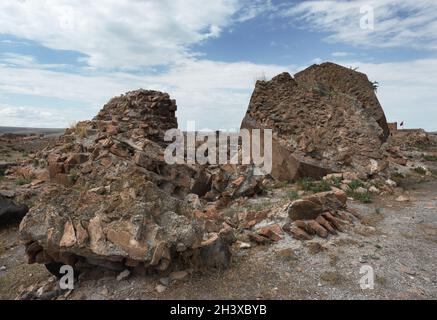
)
(299, 234)
(318, 229)
(272, 232)
(324, 223)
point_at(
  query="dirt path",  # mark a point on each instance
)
(398, 240)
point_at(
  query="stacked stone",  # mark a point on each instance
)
(330, 77)
(113, 200)
(318, 125)
(149, 113)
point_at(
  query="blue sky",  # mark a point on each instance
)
(61, 60)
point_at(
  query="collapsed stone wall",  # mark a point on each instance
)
(112, 200)
(330, 77)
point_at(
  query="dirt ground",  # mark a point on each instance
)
(398, 240)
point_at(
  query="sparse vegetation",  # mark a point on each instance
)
(362, 197)
(73, 175)
(22, 181)
(292, 195)
(308, 184)
(336, 182)
(420, 170)
(430, 158)
(82, 131)
(355, 184)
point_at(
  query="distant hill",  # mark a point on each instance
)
(20, 130)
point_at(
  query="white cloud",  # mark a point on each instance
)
(398, 23)
(21, 60)
(114, 33)
(340, 54)
(216, 94)
(406, 90)
(19, 116)
(134, 34)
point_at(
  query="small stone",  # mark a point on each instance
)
(402, 199)
(98, 190)
(123, 275)
(3, 268)
(104, 291)
(165, 281)
(160, 288)
(390, 183)
(178, 275)
(245, 245)
(361, 190)
(373, 189)
(350, 176)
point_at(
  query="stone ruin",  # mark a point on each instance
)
(111, 200)
(326, 119)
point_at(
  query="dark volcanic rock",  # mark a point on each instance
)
(11, 212)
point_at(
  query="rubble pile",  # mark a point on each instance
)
(108, 198)
(410, 139)
(320, 214)
(326, 119)
(113, 201)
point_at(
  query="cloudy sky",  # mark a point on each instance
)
(61, 60)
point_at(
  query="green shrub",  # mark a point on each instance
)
(309, 184)
(292, 195)
(355, 184)
(22, 181)
(336, 182)
(362, 197)
(430, 158)
(420, 170)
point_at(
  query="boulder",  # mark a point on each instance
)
(114, 202)
(324, 120)
(312, 206)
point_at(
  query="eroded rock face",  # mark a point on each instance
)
(326, 119)
(332, 78)
(113, 201)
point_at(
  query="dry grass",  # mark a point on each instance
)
(331, 277)
(19, 277)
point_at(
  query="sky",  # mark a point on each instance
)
(62, 60)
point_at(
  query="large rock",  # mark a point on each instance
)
(332, 78)
(312, 206)
(326, 119)
(114, 201)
